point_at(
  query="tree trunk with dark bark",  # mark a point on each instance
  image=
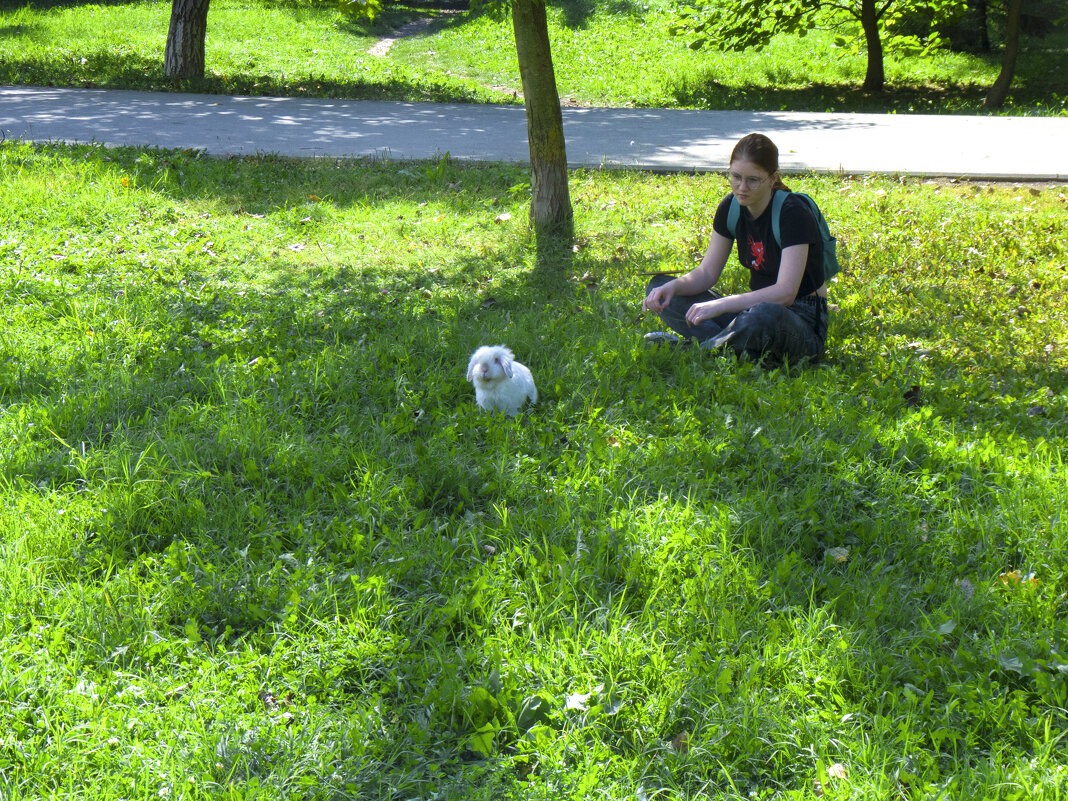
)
(874, 76)
(184, 57)
(1000, 90)
(550, 203)
(982, 8)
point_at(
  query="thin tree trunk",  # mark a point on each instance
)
(1000, 90)
(184, 56)
(550, 203)
(983, 10)
(874, 77)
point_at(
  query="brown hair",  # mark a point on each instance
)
(760, 150)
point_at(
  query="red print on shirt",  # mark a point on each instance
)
(756, 254)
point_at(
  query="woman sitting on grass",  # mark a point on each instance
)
(783, 316)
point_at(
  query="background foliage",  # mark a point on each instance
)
(263, 47)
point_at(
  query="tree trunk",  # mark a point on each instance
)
(983, 9)
(184, 57)
(1000, 90)
(874, 77)
(550, 203)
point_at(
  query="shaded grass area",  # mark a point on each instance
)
(1038, 90)
(595, 65)
(253, 48)
(260, 47)
(257, 541)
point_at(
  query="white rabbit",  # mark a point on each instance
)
(500, 381)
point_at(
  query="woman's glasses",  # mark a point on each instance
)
(751, 181)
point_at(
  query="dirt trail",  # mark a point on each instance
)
(413, 28)
(418, 26)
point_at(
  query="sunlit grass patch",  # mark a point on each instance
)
(257, 538)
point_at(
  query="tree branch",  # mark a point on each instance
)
(842, 7)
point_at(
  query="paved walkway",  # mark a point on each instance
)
(1011, 148)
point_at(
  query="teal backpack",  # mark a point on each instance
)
(830, 244)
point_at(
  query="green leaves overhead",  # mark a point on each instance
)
(744, 24)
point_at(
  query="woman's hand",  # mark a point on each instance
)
(699, 312)
(659, 297)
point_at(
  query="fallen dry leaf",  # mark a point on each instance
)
(681, 742)
(1015, 578)
(1010, 577)
(578, 701)
(838, 554)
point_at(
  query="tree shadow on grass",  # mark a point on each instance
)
(1037, 87)
(877, 593)
(841, 98)
(14, 5)
(414, 497)
(111, 70)
(17, 30)
(376, 297)
(578, 13)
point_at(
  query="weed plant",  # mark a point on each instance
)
(256, 540)
(608, 53)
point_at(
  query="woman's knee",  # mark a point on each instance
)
(761, 316)
(658, 280)
(758, 328)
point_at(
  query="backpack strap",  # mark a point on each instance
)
(732, 217)
(776, 211)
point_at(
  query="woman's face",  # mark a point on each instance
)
(751, 184)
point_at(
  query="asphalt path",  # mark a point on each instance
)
(975, 147)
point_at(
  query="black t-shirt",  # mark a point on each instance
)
(758, 251)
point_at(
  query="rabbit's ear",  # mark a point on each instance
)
(470, 369)
(506, 365)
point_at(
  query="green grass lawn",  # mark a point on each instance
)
(611, 53)
(256, 540)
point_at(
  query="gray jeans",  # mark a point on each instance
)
(768, 331)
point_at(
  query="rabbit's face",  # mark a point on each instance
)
(489, 370)
(490, 365)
